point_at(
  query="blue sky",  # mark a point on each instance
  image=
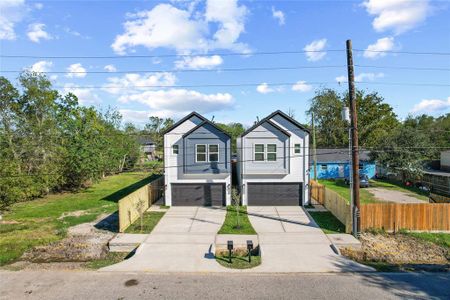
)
(201, 35)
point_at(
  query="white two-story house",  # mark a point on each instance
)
(273, 162)
(197, 163)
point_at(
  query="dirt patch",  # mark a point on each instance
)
(393, 196)
(397, 249)
(77, 213)
(53, 266)
(84, 242)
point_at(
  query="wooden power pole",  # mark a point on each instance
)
(354, 137)
(314, 146)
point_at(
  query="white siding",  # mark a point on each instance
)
(173, 163)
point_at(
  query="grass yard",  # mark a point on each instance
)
(327, 222)
(440, 239)
(150, 220)
(366, 197)
(229, 225)
(238, 261)
(46, 220)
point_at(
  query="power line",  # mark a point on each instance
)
(403, 52)
(106, 86)
(183, 70)
(403, 68)
(170, 55)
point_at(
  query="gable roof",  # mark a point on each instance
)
(329, 155)
(267, 119)
(204, 123)
(192, 114)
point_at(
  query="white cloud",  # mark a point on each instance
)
(317, 48)
(76, 70)
(137, 82)
(184, 30)
(135, 116)
(384, 44)
(86, 96)
(39, 6)
(397, 15)
(361, 77)
(110, 68)
(302, 86)
(432, 106)
(11, 12)
(199, 62)
(36, 32)
(278, 15)
(175, 102)
(264, 88)
(41, 66)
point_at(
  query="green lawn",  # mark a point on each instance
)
(150, 220)
(40, 221)
(366, 197)
(441, 239)
(229, 225)
(238, 261)
(110, 259)
(327, 222)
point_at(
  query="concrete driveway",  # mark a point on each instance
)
(291, 242)
(183, 241)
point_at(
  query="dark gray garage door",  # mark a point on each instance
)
(275, 193)
(193, 194)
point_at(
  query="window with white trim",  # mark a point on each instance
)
(200, 153)
(174, 149)
(259, 152)
(213, 153)
(297, 148)
(271, 152)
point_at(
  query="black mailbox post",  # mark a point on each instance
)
(249, 248)
(230, 248)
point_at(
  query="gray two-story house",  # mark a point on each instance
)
(273, 162)
(197, 163)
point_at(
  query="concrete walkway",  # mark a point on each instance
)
(291, 242)
(183, 241)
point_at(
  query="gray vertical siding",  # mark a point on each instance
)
(206, 135)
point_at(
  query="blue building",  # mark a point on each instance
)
(334, 163)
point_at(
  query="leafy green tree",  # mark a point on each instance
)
(155, 128)
(234, 130)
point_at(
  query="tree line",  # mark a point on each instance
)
(49, 142)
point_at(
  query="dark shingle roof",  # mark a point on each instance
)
(338, 155)
(144, 140)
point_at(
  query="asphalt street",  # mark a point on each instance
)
(109, 285)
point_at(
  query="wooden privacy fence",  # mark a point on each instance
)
(411, 216)
(332, 201)
(142, 198)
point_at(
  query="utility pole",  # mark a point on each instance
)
(314, 146)
(354, 136)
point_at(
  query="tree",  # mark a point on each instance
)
(234, 130)
(155, 128)
(375, 118)
(405, 150)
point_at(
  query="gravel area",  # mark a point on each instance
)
(393, 196)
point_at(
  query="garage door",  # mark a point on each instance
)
(188, 194)
(276, 193)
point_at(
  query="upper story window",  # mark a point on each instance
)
(174, 149)
(206, 153)
(259, 152)
(271, 152)
(200, 153)
(213, 153)
(297, 148)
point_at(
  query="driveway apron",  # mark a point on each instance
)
(183, 241)
(291, 242)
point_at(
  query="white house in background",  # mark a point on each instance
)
(197, 163)
(273, 162)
